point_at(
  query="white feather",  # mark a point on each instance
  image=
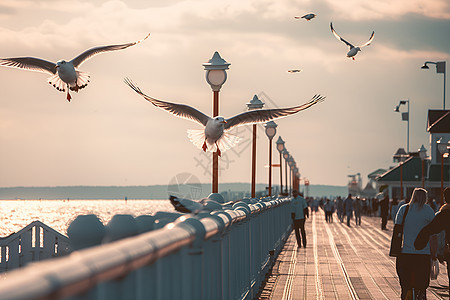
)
(228, 141)
(57, 83)
(197, 137)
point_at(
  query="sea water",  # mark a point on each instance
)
(58, 214)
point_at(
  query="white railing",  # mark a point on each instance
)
(222, 255)
(34, 242)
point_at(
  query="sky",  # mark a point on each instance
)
(108, 135)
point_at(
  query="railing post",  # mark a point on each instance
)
(195, 252)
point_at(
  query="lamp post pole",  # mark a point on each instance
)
(280, 148)
(255, 103)
(440, 68)
(216, 77)
(271, 130)
(400, 156)
(286, 156)
(405, 117)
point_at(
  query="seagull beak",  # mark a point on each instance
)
(224, 122)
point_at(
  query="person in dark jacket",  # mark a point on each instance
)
(439, 223)
(384, 211)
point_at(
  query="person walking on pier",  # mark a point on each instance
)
(413, 266)
(298, 212)
(384, 210)
(357, 208)
(440, 222)
(328, 208)
(340, 209)
(348, 204)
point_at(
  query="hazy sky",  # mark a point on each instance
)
(108, 135)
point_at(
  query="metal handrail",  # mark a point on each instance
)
(82, 270)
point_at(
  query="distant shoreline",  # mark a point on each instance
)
(154, 192)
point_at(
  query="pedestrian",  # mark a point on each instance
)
(357, 208)
(298, 212)
(329, 208)
(340, 209)
(440, 222)
(413, 266)
(348, 204)
(375, 207)
(384, 210)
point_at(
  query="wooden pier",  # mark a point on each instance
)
(341, 262)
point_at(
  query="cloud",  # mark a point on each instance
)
(357, 10)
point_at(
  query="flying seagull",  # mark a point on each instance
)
(353, 50)
(215, 136)
(294, 71)
(192, 206)
(64, 73)
(307, 17)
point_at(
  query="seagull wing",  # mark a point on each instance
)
(29, 63)
(369, 41)
(265, 115)
(339, 38)
(77, 61)
(179, 110)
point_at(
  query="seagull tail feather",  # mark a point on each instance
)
(228, 141)
(197, 137)
(82, 81)
(57, 83)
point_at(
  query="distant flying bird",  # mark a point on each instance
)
(64, 73)
(294, 71)
(215, 136)
(353, 50)
(308, 17)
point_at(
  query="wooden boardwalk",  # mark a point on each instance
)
(341, 263)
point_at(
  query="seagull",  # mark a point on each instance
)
(353, 50)
(64, 73)
(193, 206)
(215, 136)
(294, 71)
(307, 17)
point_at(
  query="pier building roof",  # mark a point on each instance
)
(438, 121)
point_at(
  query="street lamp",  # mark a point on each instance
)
(400, 156)
(405, 117)
(440, 68)
(280, 148)
(291, 164)
(423, 156)
(443, 148)
(216, 76)
(271, 130)
(255, 103)
(296, 179)
(286, 157)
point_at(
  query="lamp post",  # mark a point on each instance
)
(423, 156)
(216, 76)
(400, 157)
(442, 147)
(405, 117)
(440, 68)
(296, 179)
(291, 164)
(255, 103)
(280, 148)
(271, 130)
(286, 157)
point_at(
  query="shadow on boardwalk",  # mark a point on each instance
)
(341, 263)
